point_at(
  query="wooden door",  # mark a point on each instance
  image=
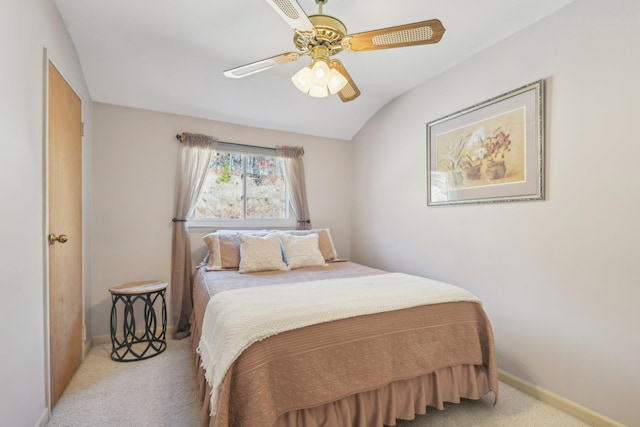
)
(65, 218)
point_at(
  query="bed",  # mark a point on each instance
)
(389, 360)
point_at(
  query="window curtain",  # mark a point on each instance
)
(291, 158)
(195, 155)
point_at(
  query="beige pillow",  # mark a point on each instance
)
(259, 253)
(224, 248)
(301, 251)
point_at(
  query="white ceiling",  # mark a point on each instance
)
(169, 55)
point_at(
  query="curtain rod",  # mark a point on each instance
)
(180, 137)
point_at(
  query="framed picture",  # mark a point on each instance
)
(490, 152)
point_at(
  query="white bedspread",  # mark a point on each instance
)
(236, 319)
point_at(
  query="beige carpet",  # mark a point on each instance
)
(161, 391)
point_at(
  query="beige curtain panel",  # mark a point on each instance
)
(194, 157)
(291, 158)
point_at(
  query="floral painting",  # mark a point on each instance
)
(490, 152)
(484, 153)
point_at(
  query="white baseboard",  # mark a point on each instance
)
(44, 418)
(87, 347)
(100, 339)
(587, 415)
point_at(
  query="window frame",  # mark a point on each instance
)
(247, 223)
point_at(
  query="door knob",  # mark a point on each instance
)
(61, 238)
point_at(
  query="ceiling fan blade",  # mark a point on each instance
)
(418, 33)
(264, 64)
(350, 91)
(291, 12)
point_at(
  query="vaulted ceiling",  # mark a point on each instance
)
(169, 56)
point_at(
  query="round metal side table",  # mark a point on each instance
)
(131, 344)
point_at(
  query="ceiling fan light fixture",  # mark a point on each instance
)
(319, 79)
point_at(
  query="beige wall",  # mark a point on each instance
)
(560, 278)
(26, 28)
(133, 192)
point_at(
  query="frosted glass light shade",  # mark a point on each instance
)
(320, 73)
(318, 91)
(336, 82)
(302, 79)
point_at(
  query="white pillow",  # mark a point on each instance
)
(260, 253)
(302, 251)
(324, 241)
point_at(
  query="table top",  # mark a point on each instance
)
(141, 287)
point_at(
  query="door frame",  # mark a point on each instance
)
(48, 58)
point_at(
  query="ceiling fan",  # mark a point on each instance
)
(322, 36)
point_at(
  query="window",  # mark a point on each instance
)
(244, 186)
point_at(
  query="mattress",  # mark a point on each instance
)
(362, 371)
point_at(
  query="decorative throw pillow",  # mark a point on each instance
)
(301, 251)
(214, 252)
(260, 253)
(229, 250)
(325, 242)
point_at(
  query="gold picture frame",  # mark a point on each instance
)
(490, 152)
